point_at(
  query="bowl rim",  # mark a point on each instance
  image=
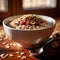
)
(52, 19)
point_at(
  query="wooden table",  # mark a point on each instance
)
(54, 53)
(51, 53)
(57, 28)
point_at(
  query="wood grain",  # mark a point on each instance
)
(56, 30)
(15, 8)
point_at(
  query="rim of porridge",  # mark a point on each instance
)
(45, 18)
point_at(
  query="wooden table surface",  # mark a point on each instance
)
(51, 53)
(57, 28)
(47, 56)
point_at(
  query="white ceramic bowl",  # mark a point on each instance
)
(29, 38)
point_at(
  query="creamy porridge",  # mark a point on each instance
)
(30, 22)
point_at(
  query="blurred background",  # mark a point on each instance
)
(44, 7)
(18, 7)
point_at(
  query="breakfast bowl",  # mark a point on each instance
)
(32, 36)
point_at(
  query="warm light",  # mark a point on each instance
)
(38, 4)
(3, 5)
(19, 45)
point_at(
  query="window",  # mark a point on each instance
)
(38, 4)
(3, 5)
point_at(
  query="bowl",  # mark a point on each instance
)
(29, 38)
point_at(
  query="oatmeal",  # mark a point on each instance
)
(30, 22)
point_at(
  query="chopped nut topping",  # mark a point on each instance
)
(3, 55)
(7, 46)
(3, 35)
(22, 53)
(11, 55)
(23, 57)
(19, 45)
(17, 52)
(30, 53)
(4, 43)
(14, 44)
(19, 56)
